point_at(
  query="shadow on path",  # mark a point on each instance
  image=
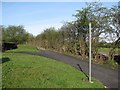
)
(83, 72)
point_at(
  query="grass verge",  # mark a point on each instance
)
(106, 50)
(108, 64)
(29, 71)
(22, 48)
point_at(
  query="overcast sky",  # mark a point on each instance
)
(36, 16)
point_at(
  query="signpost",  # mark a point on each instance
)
(90, 53)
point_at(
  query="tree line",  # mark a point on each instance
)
(73, 37)
(15, 34)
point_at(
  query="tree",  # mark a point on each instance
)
(15, 34)
(48, 38)
(1, 28)
(73, 36)
(114, 35)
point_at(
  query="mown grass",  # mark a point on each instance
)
(29, 71)
(0, 54)
(38, 72)
(106, 50)
(26, 48)
(109, 63)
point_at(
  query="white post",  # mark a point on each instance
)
(90, 52)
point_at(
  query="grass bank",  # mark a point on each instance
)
(22, 48)
(106, 50)
(29, 71)
(109, 63)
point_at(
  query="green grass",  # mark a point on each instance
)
(109, 63)
(29, 71)
(24, 48)
(106, 50)
(0, 54)
(39, 72)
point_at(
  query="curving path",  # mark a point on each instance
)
(107, 76)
